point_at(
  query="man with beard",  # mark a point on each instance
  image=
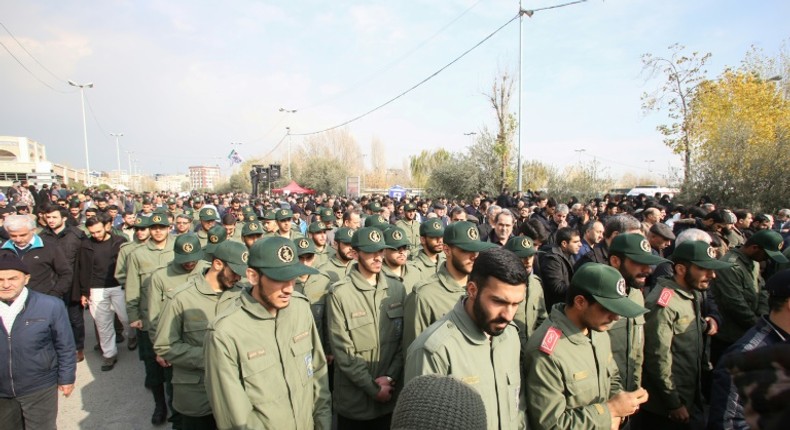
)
(182, 328)
(265, 368)
(183, 224)
(208, 219)
(269, 222)
(674, 340)
(251, 232)
(531, 312)
(476, 342)
(432, 298)
(317, 232)
(431, 254)
(572, 380)
(365, 319)
(556, 265)
(411, 226)
(396, 259)
(631, 255)
(337, 266)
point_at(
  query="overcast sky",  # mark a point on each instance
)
(184, 79)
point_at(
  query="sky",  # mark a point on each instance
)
(184, 80)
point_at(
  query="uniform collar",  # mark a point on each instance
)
(202, 285)
(466, 326)
(252, 307)
(670, 283)
(361, 283)
(561, 321)
(447, 281)
(168, 244)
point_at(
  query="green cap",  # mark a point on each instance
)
(608, 288)
(317, 227)
(187, 249)
(189, 213)
(304, 246)
(283, 214)
(250, 217)
(377, 221)
(368, 239)
(234, 254)
(635, 247)
(464, 235)
(409, 207)
(247, 210)
(522, 246)
(396, 237)
(432, 228)
(251, 228)
(159, 219)
(160, 210)
(771, 242)
(327, 215)
(142, 222)
(276, 258)
(216, 235)
(269, 215)
(344, 235)
(208, 214)
(700, 254)
(171, 201)
(374, 207)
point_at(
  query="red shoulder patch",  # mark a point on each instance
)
(665, 297)
(550, 340)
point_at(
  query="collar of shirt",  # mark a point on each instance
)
(10, 312)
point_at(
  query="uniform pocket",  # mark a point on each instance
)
(303, 354)
(582, 386)
(363, 333)
(514, 395)
(260, 373)
(396, 319)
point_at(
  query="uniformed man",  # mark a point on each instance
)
(285, 227)
(265, 368)
(411, 226)
(316, 288)
(214, 237)
(738, 291)
(396, 259)
(157, 252)
(674, 340)
(269, 222)
(317, 232)
(431, 254)
(476, 341)
(229, 223)
(208, 219)
(365, 319)
(432, 298)
(377, 221)
(632, 256)
(251, 233)
(532, 311)
(572, 378)
(338, 265)
(182, 329)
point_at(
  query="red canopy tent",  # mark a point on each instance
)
(293, 188)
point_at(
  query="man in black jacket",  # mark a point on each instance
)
(556, 265)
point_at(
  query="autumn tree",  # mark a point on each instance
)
(324, 161)
(421, 165)
(506, 123)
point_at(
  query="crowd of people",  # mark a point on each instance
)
(299, 312)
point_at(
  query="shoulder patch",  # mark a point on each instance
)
(550, 340)
(665, 297)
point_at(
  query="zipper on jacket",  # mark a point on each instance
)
(11, 365)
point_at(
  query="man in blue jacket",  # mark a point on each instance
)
(36, 349)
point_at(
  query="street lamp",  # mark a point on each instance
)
(118, 153)
(288, 136)
(287, 110)
(84, 128)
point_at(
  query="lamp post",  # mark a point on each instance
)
(117, 137)
(288, 136)
(84, 128)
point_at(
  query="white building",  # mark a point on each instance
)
(22, 158)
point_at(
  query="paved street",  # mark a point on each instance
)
(114, 400)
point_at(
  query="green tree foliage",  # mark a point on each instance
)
(421, 165)
(583, 181)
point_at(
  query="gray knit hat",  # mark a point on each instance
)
(439, 402)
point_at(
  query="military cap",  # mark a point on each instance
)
(160, 210)
(771, 242)
(216, 235)
(142, 222)
(374, 207)
(522, 246)
(662, 230)
(247, 210)
(283, 214)
(439, 205)
(327, 215)
(432, 228)
(208, 214)
(276, 258)
(171, 201)
(187, 249)
(317, 227)
(409, 207)
(234, 254)
(344, 235)
(304, 246)
(269, 215)
(464, 235)
(608, 288)
(251, 228)
(250, 217)
(369, 239)
(396, 237)
(377, 221)
(635, 247)
(159, 219)
(700, 254)
(778, 285)
(189, 213)
(147, 201)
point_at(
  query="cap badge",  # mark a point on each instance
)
(188, 248)
(283, 212)
(621, 287)
(645, 245)
(349, 232)
(303, 244)
(156, 218)
(253, 226)
(525, 243)
(381, 219)
(397, 235)
(321, 225)
(436, 225)
(245, 256)
(711, 252)
(138, 221)
(473, 233)
(374, 236)
(210, 212)
(285, 254)
(213, 238)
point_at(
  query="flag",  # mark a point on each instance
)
(234, 157)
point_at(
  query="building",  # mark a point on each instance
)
(204, 177)
(22, 158)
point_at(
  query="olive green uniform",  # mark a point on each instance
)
(569, 384)
(316, 289)
(179, 340)
(412, 230)
(202, 237)
(410, 277)
(164, 282)
(265, 371)
(322, 255)
(123, 260)
(142, 264)
(739, 295)
(532, 311)
(628, 344)
(673, 349)
(429, 300)
(365, 329)
(455, 346)
(424, 264)
(335, 269)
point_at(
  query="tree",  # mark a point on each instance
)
(583, 181)
(421, 166)
(499, 99)
(378, 176)
(537, 174)
(682, 74)
(324, 161)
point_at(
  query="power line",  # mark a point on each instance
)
(96, 120)
(31, 73)
(31, 55)
(434, 74)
